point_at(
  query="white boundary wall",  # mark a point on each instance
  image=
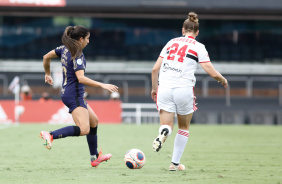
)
(142, 67)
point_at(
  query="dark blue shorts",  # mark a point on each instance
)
(74, 102)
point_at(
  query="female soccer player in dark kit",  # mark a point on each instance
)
(75, 39)
(173, 89)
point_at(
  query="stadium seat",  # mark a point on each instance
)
(246, 53)
(224, 52)
(235, 54)
(258, 54)
(2, 52)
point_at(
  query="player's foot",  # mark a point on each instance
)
(179, 167)
(101, 158)
(48, 139)
(158, 142)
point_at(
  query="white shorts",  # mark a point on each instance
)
(180, 100)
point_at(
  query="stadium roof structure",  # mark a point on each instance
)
(208, 9)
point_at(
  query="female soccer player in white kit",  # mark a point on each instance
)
(173, 89)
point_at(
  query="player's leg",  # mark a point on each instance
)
(185, 109)
(167, 111)
(92, 140)
(79, 112)
(92, 136)
(180, 141)
(80, 117)
(166, 119)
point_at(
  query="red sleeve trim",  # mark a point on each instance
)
(204, 61)
(161, 56)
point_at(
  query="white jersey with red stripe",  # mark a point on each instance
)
(180, 58)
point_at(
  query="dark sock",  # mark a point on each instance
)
(175, 163)
(92, 141)
(65, 132)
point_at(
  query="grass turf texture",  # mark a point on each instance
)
(214, 154)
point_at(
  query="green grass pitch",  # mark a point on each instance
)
(214, 154)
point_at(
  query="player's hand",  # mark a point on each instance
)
(224, 83)
(110, 87)
(154, 95)
(48, 79)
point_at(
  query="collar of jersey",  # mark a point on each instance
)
(190, 37)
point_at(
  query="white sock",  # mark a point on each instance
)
(93, 157)
(165, 126)
(180, 141)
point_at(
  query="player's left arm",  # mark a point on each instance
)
(155, 72)
(204, 60)
(89, 82)
(46, 64)
(208, 67)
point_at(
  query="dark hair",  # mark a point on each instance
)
(191, 24)
(70, 39)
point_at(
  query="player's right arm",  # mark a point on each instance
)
(46, 64)
(208, 67)
(155, 72)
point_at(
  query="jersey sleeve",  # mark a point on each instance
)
(78, 64)
(58, 50)
(165, 50)
(203, 55)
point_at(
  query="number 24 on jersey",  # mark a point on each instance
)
(174, 50)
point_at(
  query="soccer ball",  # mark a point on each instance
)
(134, 159)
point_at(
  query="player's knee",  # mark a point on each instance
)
(96, 120)
(84, 130)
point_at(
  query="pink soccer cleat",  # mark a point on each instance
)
(101, 158)
(48, 139)
(179, 167)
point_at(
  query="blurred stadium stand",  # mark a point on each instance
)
(243, 37)
(241, 31)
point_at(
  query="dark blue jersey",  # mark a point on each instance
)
(70, 86)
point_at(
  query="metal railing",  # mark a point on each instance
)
(137, 115)
(141, 113)
(249, 83)
(125, 79)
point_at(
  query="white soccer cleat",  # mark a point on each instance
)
(179, 167)
(158, 142)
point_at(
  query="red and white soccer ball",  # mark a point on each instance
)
(134, 159)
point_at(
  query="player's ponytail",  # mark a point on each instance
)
(71, 38)
(191, 24)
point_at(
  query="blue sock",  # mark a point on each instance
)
(92, 141)
(65, 132)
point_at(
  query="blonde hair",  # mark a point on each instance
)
(191, 24)
(71, 38)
